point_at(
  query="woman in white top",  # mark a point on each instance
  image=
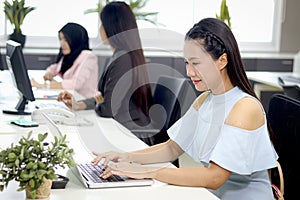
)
(225, 128)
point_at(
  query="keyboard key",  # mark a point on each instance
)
(94, 172)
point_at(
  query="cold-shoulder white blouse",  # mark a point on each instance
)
(248, 154)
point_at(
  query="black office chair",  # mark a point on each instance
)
(284, 119)
(292, 91)
(168, 96)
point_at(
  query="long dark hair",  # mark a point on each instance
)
(78, 40)
(217, 38)
(121, 29)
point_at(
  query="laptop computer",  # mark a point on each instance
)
(87, 173)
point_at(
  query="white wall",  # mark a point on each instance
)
(290, 33)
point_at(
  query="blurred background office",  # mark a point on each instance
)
(267, 31)
(259, 26)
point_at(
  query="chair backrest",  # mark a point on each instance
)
(168, 94)
(292, 91)
(284, 119)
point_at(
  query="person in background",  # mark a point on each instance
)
(225, 128)
(76, 64)
(124, 89)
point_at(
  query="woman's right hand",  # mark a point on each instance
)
(110, 156)
(34, 83)
(70, 102)
(48, 76)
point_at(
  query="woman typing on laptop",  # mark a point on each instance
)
(225, 128)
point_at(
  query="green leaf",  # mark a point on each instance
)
(41, 173)
(24, 176)
(29, 135)
(41, 165)
(55, 141)
(3, 172)
(30, 165)
(20, 189)
(12, 156)
(32, 183)
(31, 174)
(51, 176)
(17, 162)
(33, 194)
(42, 137)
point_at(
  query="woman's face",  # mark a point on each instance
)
(65, 47)
(203, 70)
(103, 35)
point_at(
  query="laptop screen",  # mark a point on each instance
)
(82, 153)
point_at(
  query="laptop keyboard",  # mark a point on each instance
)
(94, 171)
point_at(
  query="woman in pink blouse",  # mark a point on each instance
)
(76, 64)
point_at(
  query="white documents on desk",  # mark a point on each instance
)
(290, 80)
(84, 176)
(44, 94)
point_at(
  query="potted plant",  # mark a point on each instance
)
(16, 11)
(32, 163)
(135, 5)
(224, 13)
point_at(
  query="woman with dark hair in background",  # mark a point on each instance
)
(75, 63)
(124, 89)
(225, 128)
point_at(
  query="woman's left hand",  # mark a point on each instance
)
(129, 169)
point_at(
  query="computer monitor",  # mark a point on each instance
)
(18, 70)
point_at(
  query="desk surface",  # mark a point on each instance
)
(269, 78)
(106, 134)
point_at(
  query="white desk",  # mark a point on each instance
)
(267, 81)
(114, 137)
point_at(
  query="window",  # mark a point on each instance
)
(256, 24)
(51, 15)
(44, 22)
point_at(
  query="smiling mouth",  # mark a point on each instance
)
(196, 81)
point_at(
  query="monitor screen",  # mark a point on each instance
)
(17, 67)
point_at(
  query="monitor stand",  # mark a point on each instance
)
(16, 112)
(19, 109)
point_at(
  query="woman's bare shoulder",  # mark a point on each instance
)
(247, 114)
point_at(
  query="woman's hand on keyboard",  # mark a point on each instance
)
(130, 169)
(109, 156)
